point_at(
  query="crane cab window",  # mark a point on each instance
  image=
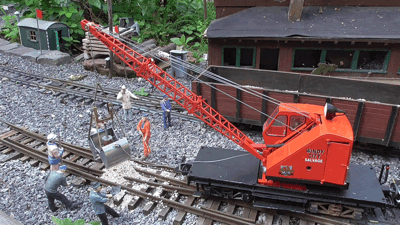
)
(296, 121)
(278, 128)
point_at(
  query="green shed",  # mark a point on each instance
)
(51, 34)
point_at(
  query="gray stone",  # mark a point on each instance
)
(54, 58)
(8, 47)
(4, 42)
(19, 51)
(33, 55)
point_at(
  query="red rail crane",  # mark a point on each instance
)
(303, 144)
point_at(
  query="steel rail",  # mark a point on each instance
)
(89, 95)
(68, 147)
(187, 191)
(154, 165)
(306, 216)
(170, 179)
(229, 219)
(41, 156)
(153, 98)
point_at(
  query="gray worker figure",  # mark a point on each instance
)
(125, 97)
(166, 107)
(98, 199)
(53, 181)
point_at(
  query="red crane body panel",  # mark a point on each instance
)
(320, 154)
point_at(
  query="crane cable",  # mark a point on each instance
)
(231, 83)
(211, 75)
(215, 76)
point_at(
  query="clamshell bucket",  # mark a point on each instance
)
(109, 148)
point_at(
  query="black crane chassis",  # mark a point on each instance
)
(233, 174)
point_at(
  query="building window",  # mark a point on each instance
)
(346, 60)
(371, 60)
(269, 58)
(246, 57)
(32, 35)
(342, 59)
(229, 56)
(239, 56)
(305, 58)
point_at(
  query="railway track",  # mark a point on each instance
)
(83, 93)
(19, 143)
(169, 192)
(175, 189)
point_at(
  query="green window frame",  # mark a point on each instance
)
(354, 62)
(238, 52)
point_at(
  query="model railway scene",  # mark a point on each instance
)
(282, 122)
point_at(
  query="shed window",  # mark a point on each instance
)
(307, 58)
(229, 56)
(371, 60)
(246, 57)
(32, 35)
(347, 60)
(342, 59)
(269, 58)
(239, 56)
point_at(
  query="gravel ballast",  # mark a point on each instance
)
(38, 110)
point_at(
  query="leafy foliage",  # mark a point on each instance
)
(68, 221)
(182, 41)
(177, 19)
(141, 92)
(10, 29)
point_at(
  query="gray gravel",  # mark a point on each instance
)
(22, 192)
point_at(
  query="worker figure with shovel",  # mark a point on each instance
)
(98, 199)
(144, 129)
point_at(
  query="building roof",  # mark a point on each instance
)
(43, 24)
(333, 23)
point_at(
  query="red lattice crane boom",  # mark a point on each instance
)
(303, 143)
(196, 105)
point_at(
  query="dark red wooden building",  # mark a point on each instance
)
(361, 37)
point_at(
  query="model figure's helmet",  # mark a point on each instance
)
(51, 137)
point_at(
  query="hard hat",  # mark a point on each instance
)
(144, 115)
(63, 167)
(123, 87)
(95, 185)
(51, 137)
(165, 96)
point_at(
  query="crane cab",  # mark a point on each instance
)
(309, 145)
(285, 123)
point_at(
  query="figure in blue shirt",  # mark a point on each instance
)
(54, 151)
(98, 199)
(166, 107)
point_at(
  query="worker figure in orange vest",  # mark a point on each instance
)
(144, 129)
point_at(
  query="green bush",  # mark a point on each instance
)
(10, 29)
(68, 221)
(177, 18)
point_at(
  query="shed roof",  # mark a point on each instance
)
(43, 24)
(339, 23)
